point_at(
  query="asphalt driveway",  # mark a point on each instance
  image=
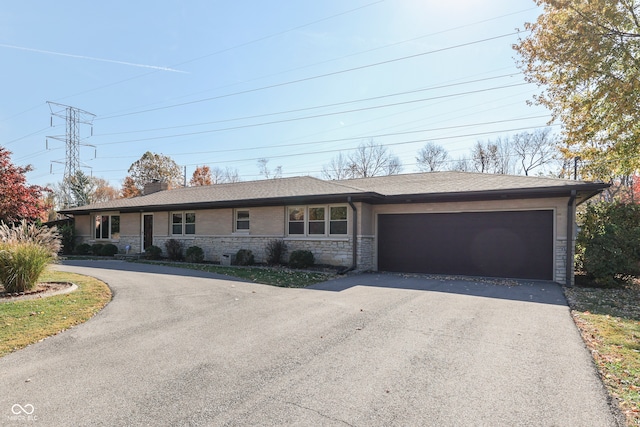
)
(179, 347)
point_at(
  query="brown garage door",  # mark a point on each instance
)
(517, 244)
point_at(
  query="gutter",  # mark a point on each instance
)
(571, 212)
(354, 259)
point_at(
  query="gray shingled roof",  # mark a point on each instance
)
(308, 189)
(454, 182)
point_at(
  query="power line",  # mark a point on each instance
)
(325, 141)
(346, 149)
(317, 63)
(312, 117)
(291, 82)
(256, 116)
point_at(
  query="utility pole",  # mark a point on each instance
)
(575, 168)
(73, 117)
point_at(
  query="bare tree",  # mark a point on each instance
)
(371, 159)
(224, 176)
(268, 173)
(504, 161)
(461, 165)
(484, 157)
(394, 165)
(534, 149)
(432, 157)
(338, 168)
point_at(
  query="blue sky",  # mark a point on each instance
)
(223, 83)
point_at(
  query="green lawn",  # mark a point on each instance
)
(28, 321)
(609, 320)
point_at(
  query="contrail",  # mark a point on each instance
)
(91, 58)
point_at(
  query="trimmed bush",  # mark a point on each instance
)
(153, 252)
(194, 254)
(174, 249)
(82, 249)
(608, 245)
(109, 250)
(275, 251)
(96, 249)
(25, 251)
(301, 259)
(244, 257)
(68, 238)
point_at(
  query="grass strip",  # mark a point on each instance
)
(609, 321)
(29, 321)
(282, 277)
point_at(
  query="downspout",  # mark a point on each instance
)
(571, 213)
(354, 260)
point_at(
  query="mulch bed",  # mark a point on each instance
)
(40, 289)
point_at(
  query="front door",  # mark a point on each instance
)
(147, 232)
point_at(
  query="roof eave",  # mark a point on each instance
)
(584, 192)
(241, 203)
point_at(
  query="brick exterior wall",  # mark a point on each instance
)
(268, 223)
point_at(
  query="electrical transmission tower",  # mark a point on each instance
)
(74, 118)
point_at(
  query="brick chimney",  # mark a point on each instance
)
(154, 186)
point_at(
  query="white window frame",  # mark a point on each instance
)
(99, 223)
(236, 220)
(183, 223)
(307, 221)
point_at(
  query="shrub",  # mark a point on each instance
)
(96, 249)
(174, 249)
(194, 254)
(32, 233)
(301, 259)
(21, 265)
(109, 250)
(153, 252)
(25, 251)
(82, 249)
(68, 238)
(244, 257)
(608, 245)
(275, 251)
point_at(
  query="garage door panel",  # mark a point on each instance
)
(496, 244)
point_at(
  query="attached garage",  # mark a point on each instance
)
(516, 244)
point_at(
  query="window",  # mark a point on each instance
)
(183, 223)
(242, 220)
(107, 227)
(338, 221)
(317, 220)
(296, 220)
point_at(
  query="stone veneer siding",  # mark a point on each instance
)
(335, 252)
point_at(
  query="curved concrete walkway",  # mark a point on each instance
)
(179, 347)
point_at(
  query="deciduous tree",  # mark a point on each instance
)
(18, 200)
(484, 157)
(372, 159)
(269, 173)
(367, 160)
(586, 57)
(534, 149)
(155, 167)
(432, 157)
(337, 168)
(201, 176)
(129, 188)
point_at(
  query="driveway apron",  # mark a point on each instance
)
(180, 347)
